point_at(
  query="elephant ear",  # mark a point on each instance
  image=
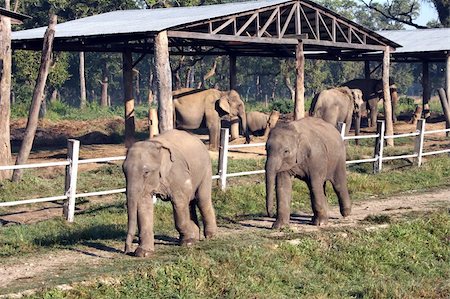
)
(167, 159)
(223, 102)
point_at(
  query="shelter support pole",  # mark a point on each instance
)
(163, 82)
(387, 97)
(233, 72)
(367, 69)
(234, 122)
(447, 78)
(426, 89)
(299, 107)
(127, 59)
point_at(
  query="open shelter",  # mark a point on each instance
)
(268, 28)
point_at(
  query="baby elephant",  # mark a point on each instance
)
(311, 150)
(259, 123)
(174, 166)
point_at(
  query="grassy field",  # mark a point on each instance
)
(408, 259)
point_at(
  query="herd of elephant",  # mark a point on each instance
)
(175, 166)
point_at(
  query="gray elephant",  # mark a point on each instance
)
(259, 123)
(311, 150)
(192, 107)
(340, 104)
(175, 166)
(372, 90)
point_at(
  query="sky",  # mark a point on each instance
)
(427, 13)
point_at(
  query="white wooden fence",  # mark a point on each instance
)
(73, 161)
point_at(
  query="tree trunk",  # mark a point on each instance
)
(5, 93)
(299, 107)
(104, 96)
(54, 96)
(83, 97)
(137, 89)
(233, 72)
(128, 98)
(164, 82)
(445, 107)
(38, 95)
(426, 89)
(287, 82)
(387, 98)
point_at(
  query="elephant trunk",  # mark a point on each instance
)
(357, 121)
(132, 223)
(270, 186)
(394, 102)
(243, 117)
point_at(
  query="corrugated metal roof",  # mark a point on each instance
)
(143, 20)
(419, 40)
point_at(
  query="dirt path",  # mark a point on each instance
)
(16, 270)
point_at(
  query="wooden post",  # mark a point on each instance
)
(83, 97)
(127, 72)
(445, 107)
(425, 89)
(447, 78)
(387, 97)
(163, 82)
(418, 146)
(5, 93)
(417, 114)
(38, 97)
(233, 72)
(223, 158)
(299, 107)
(73, 153)
(379, 147)
(367, 69)
(153, 122)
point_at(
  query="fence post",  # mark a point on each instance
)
(223, 158)
(418, 146)
(379, 146)
(341, 129)
(73, 152)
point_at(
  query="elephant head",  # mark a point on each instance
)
(230, 102)
(146, 168)
(285, 147)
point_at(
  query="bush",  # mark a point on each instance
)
(282, 106)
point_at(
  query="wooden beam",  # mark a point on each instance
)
(299, 107)
(387, 98)
(128, 100)
(330, 44)
(164, 82)
(232, 71)
(246, 24)
(425, 89)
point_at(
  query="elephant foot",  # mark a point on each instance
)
(346, 212)
(280, 224)
(188, 242)
(319, 220)
(210, 233)
(140, 252)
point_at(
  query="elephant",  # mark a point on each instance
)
(311, 150)
(174, 166)
(372, 90)
(261, 123)
(192, 106)
(340, 104)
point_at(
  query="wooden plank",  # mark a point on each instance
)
(288, 20)
(164, 82)
(326, 27)
(224, 25)
(246, 24)
(299, 107)
(387, 98)
(267, 24)
(308, 23)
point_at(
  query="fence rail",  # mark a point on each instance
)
(73, 162)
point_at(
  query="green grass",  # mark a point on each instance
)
(410, 259)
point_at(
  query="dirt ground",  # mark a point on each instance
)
(99, 139)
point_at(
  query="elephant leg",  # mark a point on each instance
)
(319, 203)
(214, 134)
(193, 211)
(206, 209)
(339, 183)
(145, 225)
(284, 196)
(189, 231)
(373, 105)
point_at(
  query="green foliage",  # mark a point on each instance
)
(282, 106)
